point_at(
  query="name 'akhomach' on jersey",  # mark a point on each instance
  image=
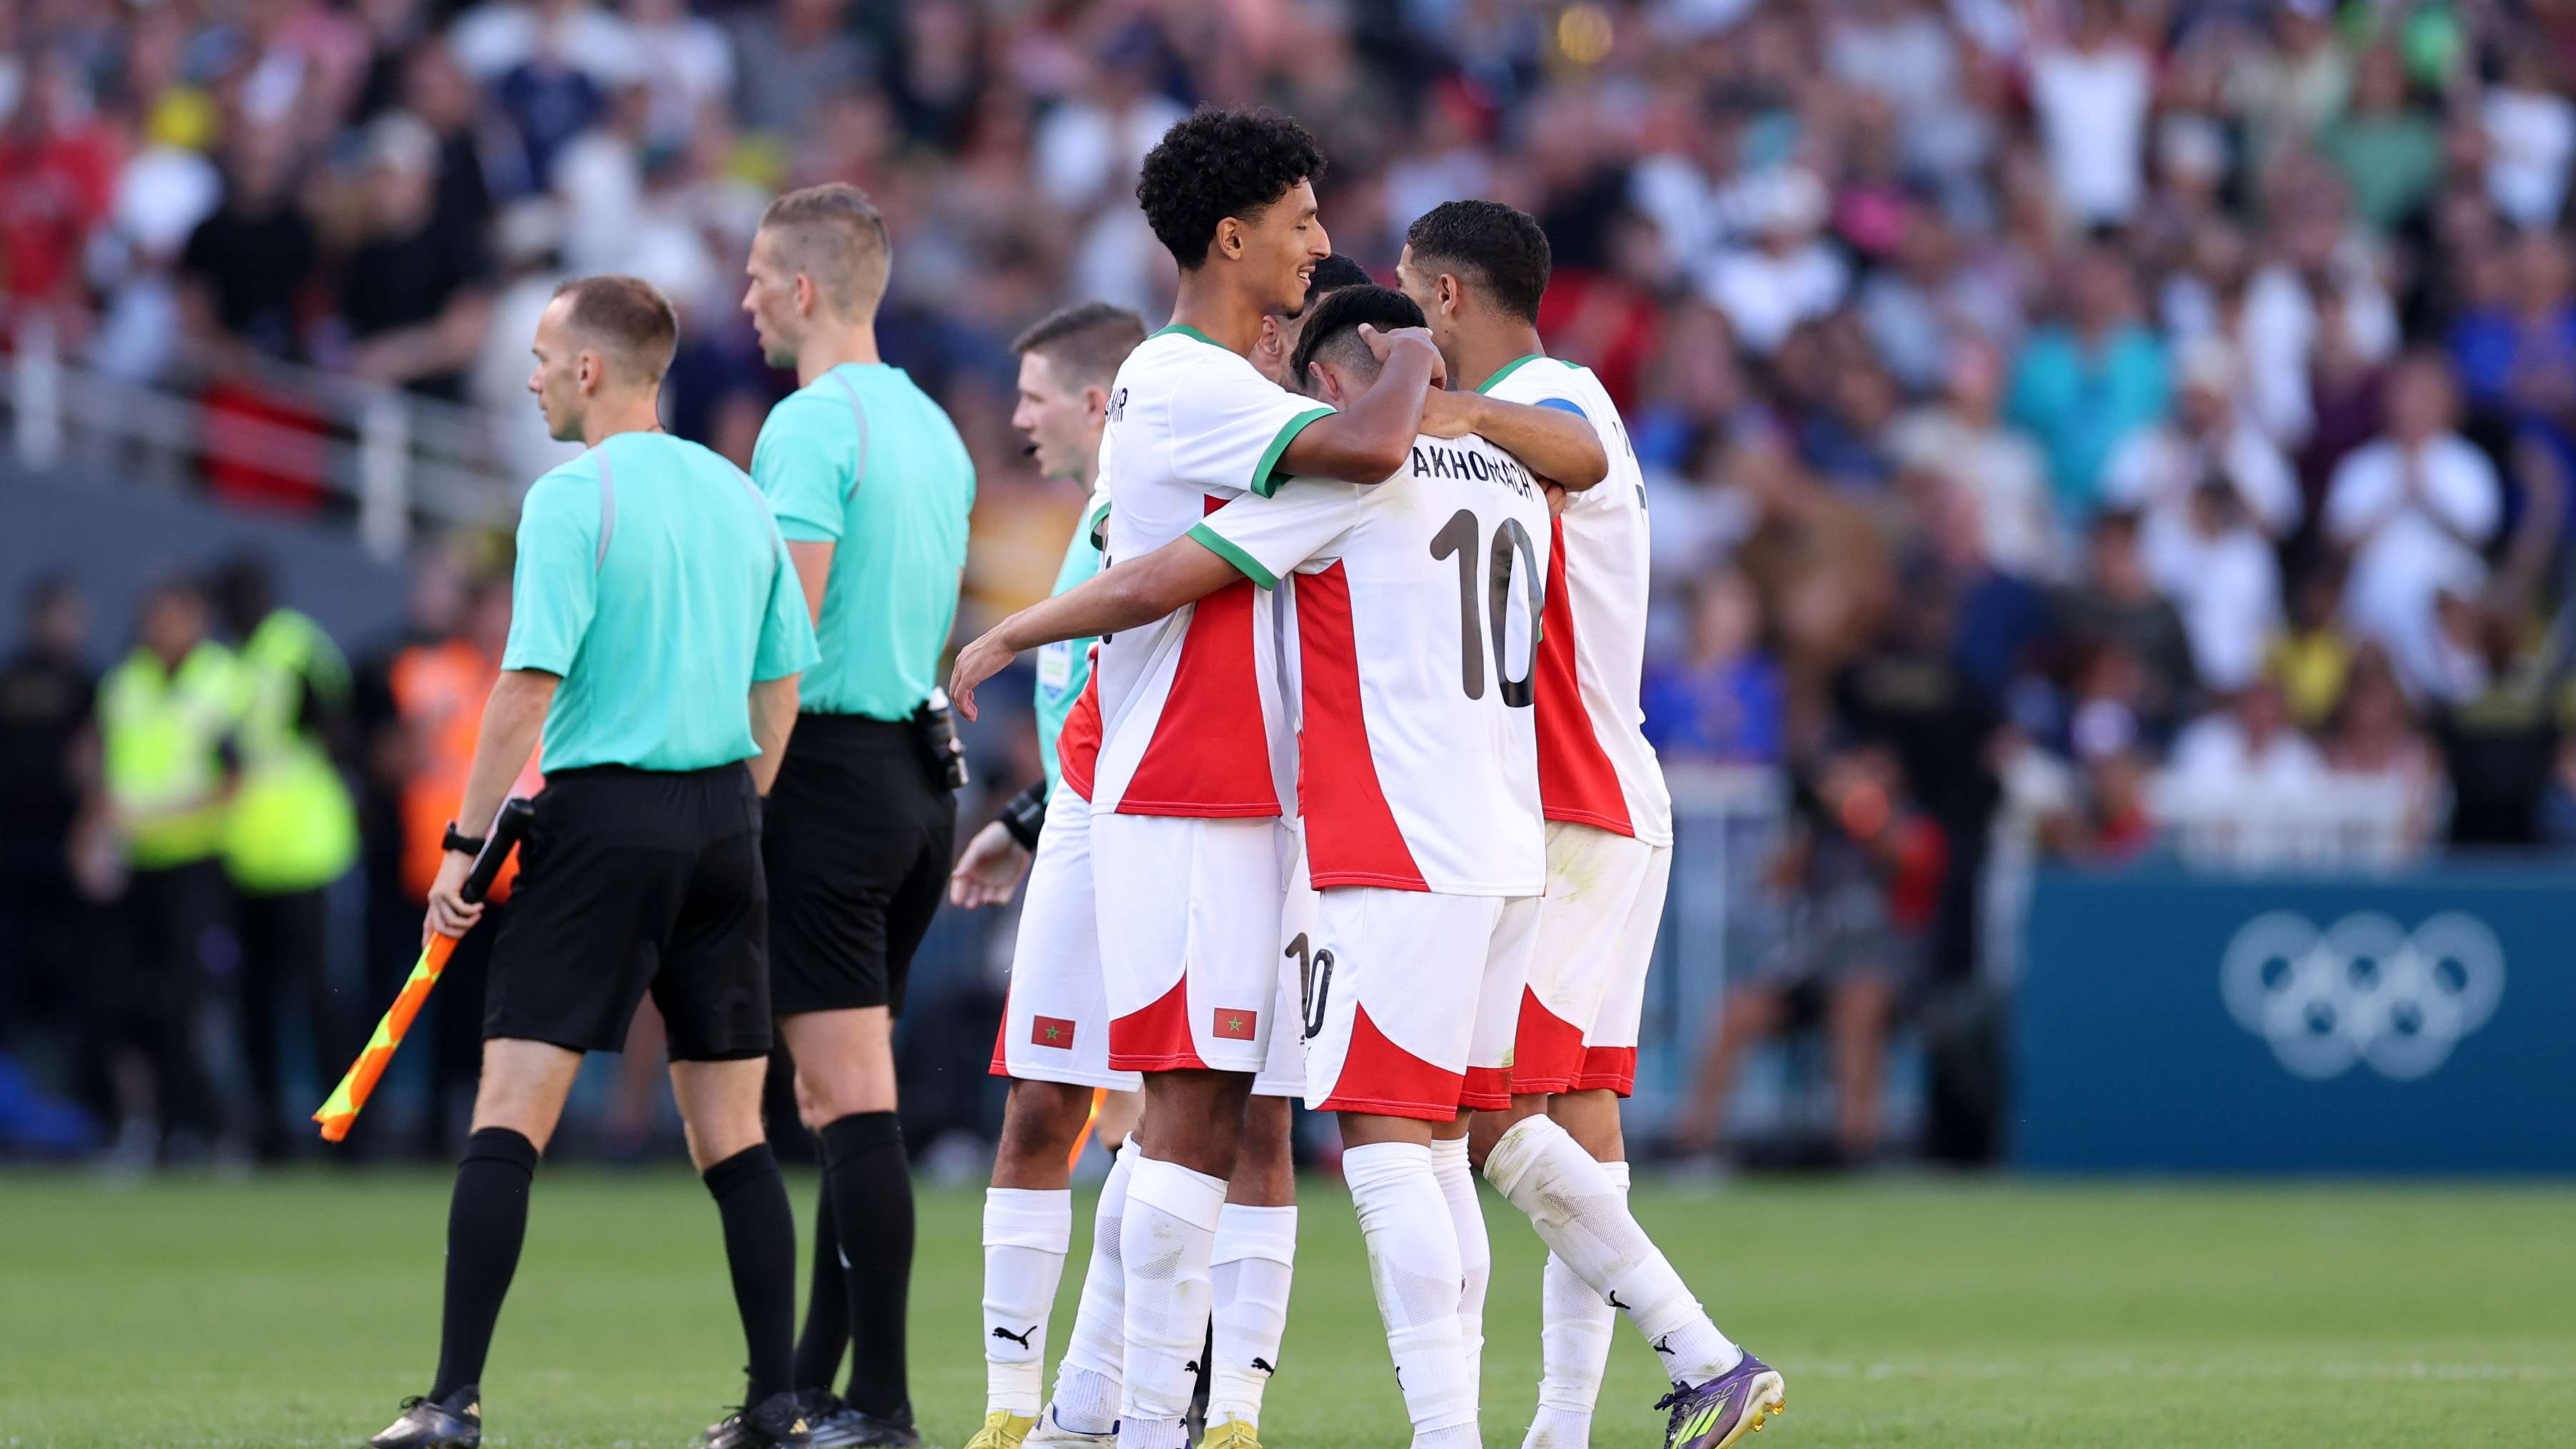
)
(1415, 653)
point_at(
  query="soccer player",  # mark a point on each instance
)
(1054, 1039)
(1478, 268)
(1067, 364)
(656, 638)
(872, 486)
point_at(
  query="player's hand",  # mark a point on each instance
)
(449, 915)
(977, 662)
(1556, 497)
(1447, 414)
(1382, 344)
(989, 871)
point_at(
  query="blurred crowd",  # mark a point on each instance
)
(2071, 427)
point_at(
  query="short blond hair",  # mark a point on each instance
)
(835, 235)
(627, 318)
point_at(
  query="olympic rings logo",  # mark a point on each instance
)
(2363, 990)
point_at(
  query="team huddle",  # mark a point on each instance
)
(1349, 803)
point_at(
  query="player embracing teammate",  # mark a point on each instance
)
(1415, 987)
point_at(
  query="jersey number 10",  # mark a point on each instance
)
(1510, 542)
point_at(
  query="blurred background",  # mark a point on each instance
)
(2110, 470)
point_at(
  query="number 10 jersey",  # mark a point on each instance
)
(1416, 619)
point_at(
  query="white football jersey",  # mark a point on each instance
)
(1190, 723)
(1417, 605)
(1595, 767)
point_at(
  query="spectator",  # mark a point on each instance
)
(1723, 704)
(247, 268)
(2412, 509)
(1860, 878)
(793, 57)
(2213, 496)
(1962, 442)
(2083, 384)
(2530, 136)
(2118, 604)
(683, 61)
(2312, 660)
(2373, 736)
(2387, 150)
(58, 173)
(413, 292)
(2092, 86)
(2500, 746)
(1788, 273)
(2248, 750)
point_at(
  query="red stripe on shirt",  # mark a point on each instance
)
(1576, 781)
(1351, 834)
(1210, 754)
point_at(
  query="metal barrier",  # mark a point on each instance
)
(1719, 917)
(397, 457)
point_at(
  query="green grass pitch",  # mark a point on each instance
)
(298, 1310)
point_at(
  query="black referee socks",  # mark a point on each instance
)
(487, 1220)
(826, 1335)
(760, 1248)
(871, 1202)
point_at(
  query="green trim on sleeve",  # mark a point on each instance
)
(1507, 369)
(1225, 548)
(1265, 474)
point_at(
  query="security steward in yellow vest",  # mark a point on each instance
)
(292, 833)
(166, 717)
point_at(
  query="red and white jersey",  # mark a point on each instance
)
(1077, 745)
(1190, 724)
(1594, 765)
(1416, 647)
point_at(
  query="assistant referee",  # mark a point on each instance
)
(872, 487)
(657, 635)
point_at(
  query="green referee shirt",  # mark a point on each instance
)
(864, 460)
(652, 579)
(1064, 667)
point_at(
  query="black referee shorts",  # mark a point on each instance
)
(637, 880)
(859, 839)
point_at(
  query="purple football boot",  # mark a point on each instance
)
(1725, 1409)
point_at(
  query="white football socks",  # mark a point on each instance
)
(1475, 1250)
(1582, 1216)
(1575, 1327)
(1087, 1382)
(1249, 1270)
(1413, 1265)
(1166, 1241)
(1026, 1234)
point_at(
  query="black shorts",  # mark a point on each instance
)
(859, 841)
(637, 880)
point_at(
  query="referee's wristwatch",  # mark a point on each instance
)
(458, 842)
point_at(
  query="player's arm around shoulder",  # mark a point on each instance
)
(1552, 439)
(1127, 595)
(1370, 437)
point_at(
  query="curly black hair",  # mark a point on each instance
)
(1502, 249)
(1218, 164)
(1335, 321)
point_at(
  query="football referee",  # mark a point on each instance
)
(872, 487)
(656, 639)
